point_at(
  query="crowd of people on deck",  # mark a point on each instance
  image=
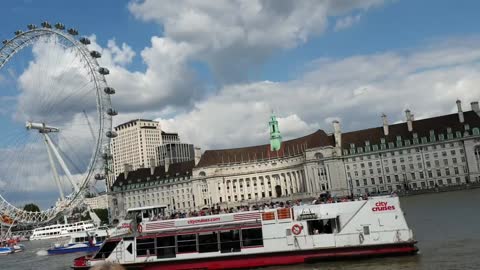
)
(217, 209)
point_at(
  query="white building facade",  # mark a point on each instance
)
(416, 154)
(98, 202)
(135, 145)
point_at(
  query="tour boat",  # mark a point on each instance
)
(61, 230)
(281, 236)
(87, 242)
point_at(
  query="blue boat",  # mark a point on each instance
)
(86, 242)
(6, 250)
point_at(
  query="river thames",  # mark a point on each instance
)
(446, 225)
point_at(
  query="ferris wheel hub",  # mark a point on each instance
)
(41, 127)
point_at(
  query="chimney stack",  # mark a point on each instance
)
(167, 164)
(409, 117)
(385, 124)
(338, 135)
(198, 154)
(460, 112)
(475, 107)
(152, 166)
(126, 169)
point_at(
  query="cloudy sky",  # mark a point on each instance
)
(214, 70)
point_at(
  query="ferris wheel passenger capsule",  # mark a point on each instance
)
(111, 134)
(112, 112)
(5, 41)
(99, 176)
(18, 32)
(104, 71)
(85, 41)
(60, 26)
(109, 90)
(72, 32)
(95, 54)
(31, 26)
(46, 25)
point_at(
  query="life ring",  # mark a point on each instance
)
(361, 238)
(297, 229)
(139, 228)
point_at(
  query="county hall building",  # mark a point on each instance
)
(415, 154)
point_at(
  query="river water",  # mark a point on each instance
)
(446, 225)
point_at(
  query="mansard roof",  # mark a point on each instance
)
(141, 175)
(261, 152)
(421, 127)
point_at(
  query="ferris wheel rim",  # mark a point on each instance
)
(103, 102)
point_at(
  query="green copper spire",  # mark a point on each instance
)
(275, 137)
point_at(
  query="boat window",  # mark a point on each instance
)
(187, 243)
(252, 237)
(166, 247)
(106, 249)
(230, 241)
(366, 230)
(322, 226)
(145, 246)
(207, 242)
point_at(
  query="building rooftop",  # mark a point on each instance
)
(421, 127)
(260, 152)
(140, 175)
(135, 120)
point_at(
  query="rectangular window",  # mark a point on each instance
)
(145, 246)
(207, 242)
(252, 237)
(165, 247)
(187, 243)
(230, 241)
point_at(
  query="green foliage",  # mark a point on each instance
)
(102, 214)
(31, 207)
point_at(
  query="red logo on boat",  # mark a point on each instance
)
(382, 206)
(203, 220)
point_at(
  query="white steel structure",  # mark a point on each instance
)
(58, 118)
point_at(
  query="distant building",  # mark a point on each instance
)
(415, 154)
(168, 185)
(135, 144)
(175, 153)
(98, 202)
(170, 137)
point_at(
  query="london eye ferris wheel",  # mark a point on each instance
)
(55, 121)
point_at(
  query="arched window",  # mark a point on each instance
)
(202, 173)
(476, 131)
(318, 155)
